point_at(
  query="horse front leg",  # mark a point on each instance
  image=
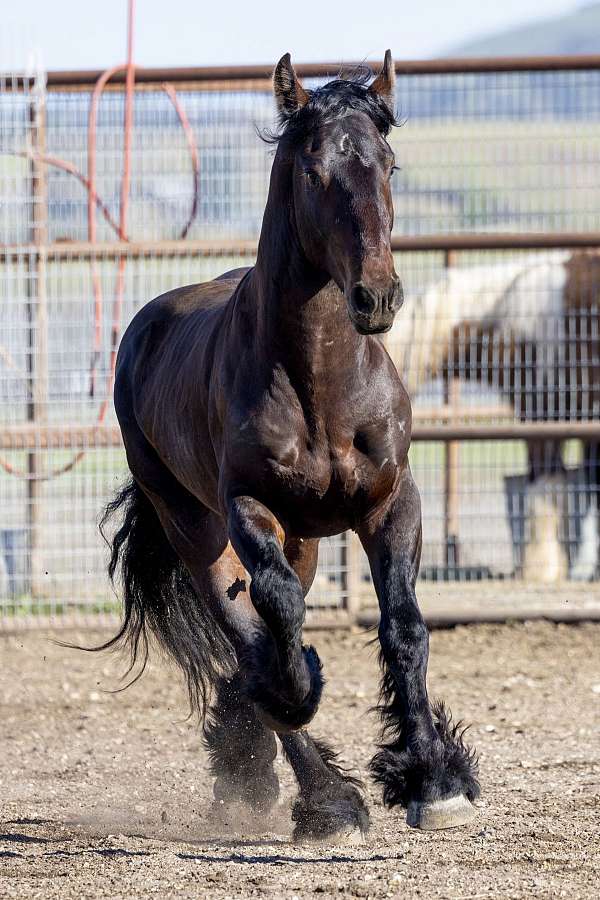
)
(330, 805)
(283, 678)
(423, 764)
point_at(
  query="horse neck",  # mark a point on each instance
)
(302, 322)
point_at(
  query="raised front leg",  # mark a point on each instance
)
(283, 678)
(423, 765)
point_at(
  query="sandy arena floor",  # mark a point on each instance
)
(106, 795)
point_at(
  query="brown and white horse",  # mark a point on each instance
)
(528, 330)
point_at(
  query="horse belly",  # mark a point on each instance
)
(313, 520)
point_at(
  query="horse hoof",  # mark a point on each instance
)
(231, 814)
(435, 815)
(351, 837)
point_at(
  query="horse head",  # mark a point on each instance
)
(334, 138)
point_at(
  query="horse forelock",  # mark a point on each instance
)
(331, 102)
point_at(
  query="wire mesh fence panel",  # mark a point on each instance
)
(233, 171)
(504, 337)
(502, 151)
(508, 151)
(485, 339)
(519, 329)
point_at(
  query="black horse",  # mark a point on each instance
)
(260, 413)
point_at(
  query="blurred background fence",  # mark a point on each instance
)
(496, 236)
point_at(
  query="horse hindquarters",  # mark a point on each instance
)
(159, 598)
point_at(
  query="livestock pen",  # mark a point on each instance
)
(496, 241)
(497, 175)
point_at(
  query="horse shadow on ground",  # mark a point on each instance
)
(14, 837)
(280, 859)
(268, 842)
(262, 840)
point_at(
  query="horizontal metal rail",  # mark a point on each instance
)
(65, 437)
(498, 240)
(317, 619)
(248, 76)
(58, 437)
(510, 431)
(65, 250)
(323, 69)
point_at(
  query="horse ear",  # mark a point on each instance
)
(385, 83)
(289, 93)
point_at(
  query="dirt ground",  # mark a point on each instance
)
(107, 795)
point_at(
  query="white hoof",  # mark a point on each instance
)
(438, 814)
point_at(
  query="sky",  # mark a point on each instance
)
(81, 34)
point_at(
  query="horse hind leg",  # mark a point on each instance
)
(330, 806)
(183, 584)
(242, 749)
(242, 752)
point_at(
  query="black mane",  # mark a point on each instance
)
(333, 101)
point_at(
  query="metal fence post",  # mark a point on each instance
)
(351, 576)
(37, 325)
(451, 462)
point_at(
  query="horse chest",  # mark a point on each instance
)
(310, 474)
(322, 491)
(318, 474)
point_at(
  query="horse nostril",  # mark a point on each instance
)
(364, 300)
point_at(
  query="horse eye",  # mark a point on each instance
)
(313, 178)
(394, 169)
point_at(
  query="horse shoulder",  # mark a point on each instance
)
(165, 358)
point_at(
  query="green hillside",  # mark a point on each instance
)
(577, 32)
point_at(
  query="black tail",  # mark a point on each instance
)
(159, 599)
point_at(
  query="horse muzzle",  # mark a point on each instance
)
(372, 310)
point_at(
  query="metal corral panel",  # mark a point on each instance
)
(494, 339)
